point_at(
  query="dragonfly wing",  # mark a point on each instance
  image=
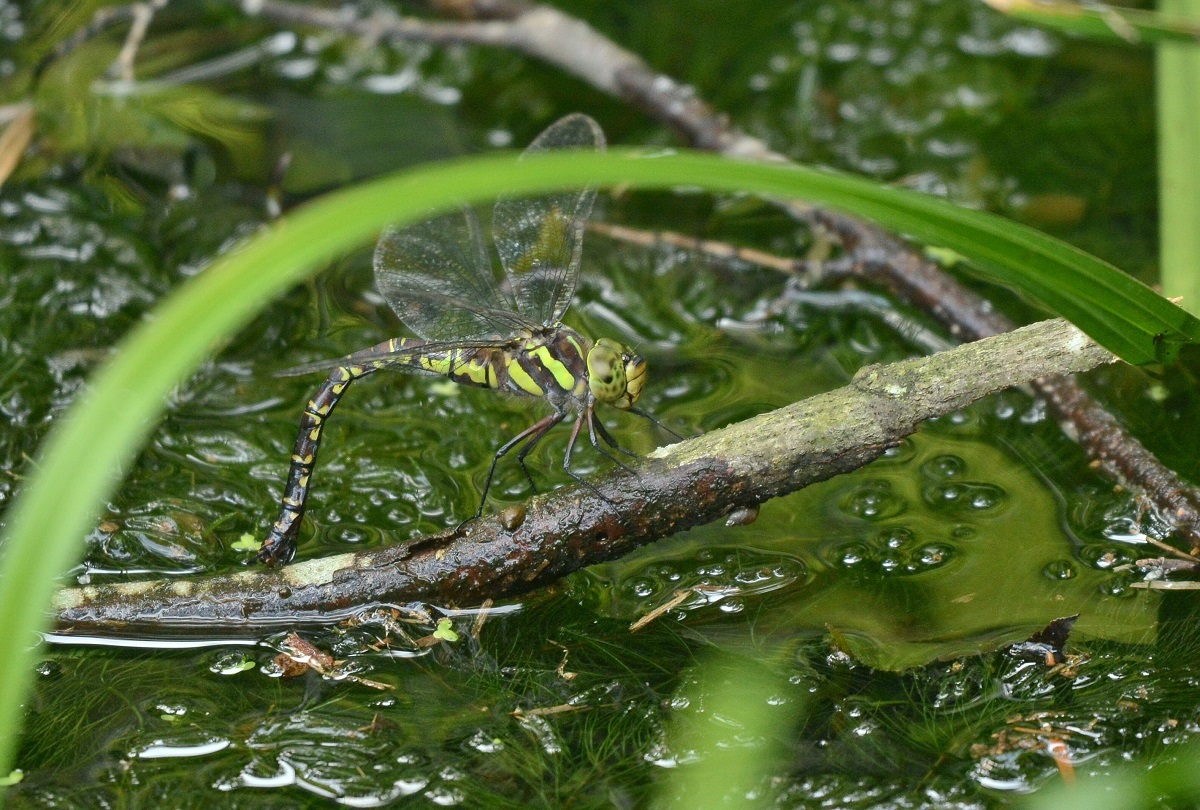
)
(540, 239)
(437, 278)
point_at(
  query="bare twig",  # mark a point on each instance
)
(15, 139)
(102, 19)
(545, 33)
(384, 24)
(562, 708)
(694, 482)
(720, 251)
(879, 258)
(675, 601)
(1161, 566)
(481, 617)
(142, 13)
(1164, 585)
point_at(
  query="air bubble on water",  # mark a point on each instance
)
(1059, 570)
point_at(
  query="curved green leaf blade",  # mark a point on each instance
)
(1105, 23)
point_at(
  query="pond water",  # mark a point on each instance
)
(858, 624)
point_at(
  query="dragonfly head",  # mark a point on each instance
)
(615, 374)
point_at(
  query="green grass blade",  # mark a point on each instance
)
(1171, 23)
(1178, 89)
(79, 465)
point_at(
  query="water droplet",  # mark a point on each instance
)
(945, 466)
(642, 588)
(934, 554)
(895, 537)
(852, 555)
(231, 662)
(485, 743)
(842, 51)
(1060, 569)
(871, 501)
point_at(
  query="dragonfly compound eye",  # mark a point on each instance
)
(635, 378)
(606, 372)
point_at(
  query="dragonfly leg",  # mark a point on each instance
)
(280, 543)
(533, 434)
(528, 448)
(646, 415)
(613, 443)
(567, 460)
(595, 427)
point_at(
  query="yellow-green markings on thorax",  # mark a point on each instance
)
(562, 375)
(521, 377)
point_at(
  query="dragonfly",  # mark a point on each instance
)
(482, 332)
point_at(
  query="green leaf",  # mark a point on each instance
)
(1105, 23)
(445, 630)
(247, 542)
(103, 429)
(1177, 78)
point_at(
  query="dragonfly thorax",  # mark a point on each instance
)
(616, 375)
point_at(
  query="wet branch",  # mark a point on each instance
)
(675, 488)
(552, 36)
(876, 256)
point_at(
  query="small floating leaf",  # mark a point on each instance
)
(246, 542)
(445, 630)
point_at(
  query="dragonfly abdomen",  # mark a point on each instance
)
(464, 365)
(280, 541)
(551, 363)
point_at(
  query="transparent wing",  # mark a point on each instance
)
(437, 278)
(540, 239)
